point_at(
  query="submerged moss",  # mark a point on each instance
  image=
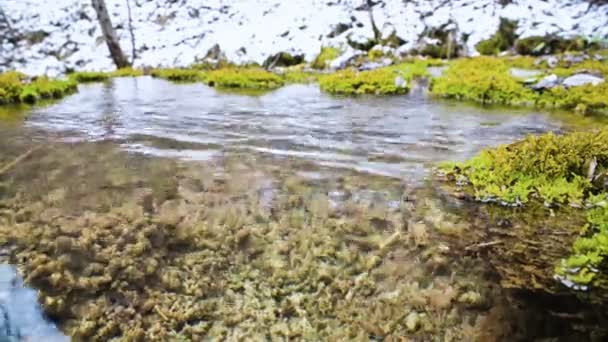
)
(248, 78)
(326, 55)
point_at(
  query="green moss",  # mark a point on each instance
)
(14, 89)
(179, 75)
(378, 81)
(44, 88)
(549, 167)
(563, 70)
(326, 55)
(502, 40)
(127, 72)
(297, 75)
(482, 79)
(554, 169)
(522, 62)
(10, 86)
(375, 54)
(247, 78)
(89, 76)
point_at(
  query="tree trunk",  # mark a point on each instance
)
(131, 32)
(377, 34)
(109, 35)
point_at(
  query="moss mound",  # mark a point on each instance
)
(89, 76)
(488, 80)
(14, 88)
(127, 72)
(326, 55)
(378, 81)
(483, 79)
(246, 78)
(179, 75)
(568, 169)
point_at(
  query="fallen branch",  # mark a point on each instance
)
(483, 245)
(19, 159)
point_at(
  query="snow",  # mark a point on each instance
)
(177, 33)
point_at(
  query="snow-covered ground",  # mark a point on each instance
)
(177, 32)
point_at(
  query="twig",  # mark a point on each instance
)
(483, 245)
(19, 159)
(158, 311)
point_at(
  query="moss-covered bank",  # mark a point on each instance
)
(558, 170)
(383, 81)
(14, 88)
(488, 80)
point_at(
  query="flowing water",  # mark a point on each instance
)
(145, 209)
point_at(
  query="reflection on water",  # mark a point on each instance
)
(154, 211)
(393, 136)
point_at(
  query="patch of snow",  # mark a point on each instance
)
(178, 33)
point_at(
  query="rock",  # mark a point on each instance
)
(547, 82)
(412, 321)
(360, 42)
(573, 59)
(345, 59)
(523, 73)
(375, 65)
(215, 53)
(436, 71)
(283, 59)
(338, 29)
(400, 82)
(552, 61)
(582, 79)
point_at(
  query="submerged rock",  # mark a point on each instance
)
(345, 59)
(582, 79)
(547, 82)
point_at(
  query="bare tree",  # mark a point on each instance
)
(370, 4)
(109, 35)
(131, 32)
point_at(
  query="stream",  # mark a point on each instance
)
(145, 209)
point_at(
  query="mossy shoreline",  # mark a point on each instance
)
(557, 170)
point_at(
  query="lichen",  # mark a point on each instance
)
(326, 55)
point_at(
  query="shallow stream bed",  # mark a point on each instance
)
(142, 209)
